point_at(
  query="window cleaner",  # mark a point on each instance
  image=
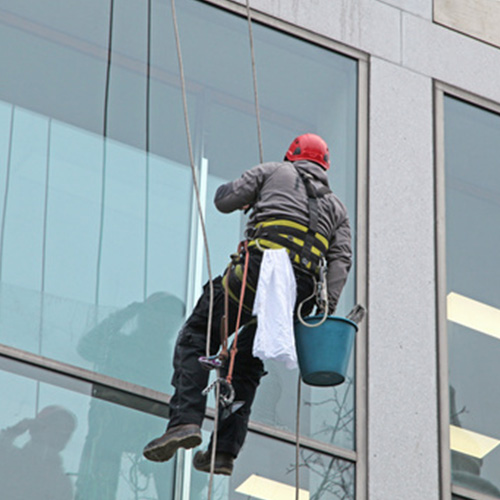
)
(292, 207)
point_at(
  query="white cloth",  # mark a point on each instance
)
(273, 306)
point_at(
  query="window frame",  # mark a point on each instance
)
(442, 89)
(153, 397)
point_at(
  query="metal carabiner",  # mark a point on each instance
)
(225, 399)
(211, 362)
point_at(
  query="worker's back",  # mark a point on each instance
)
(276, 191)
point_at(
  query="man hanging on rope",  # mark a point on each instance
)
(292, 208)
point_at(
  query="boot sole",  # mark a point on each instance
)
(218, 469)
(224, 471)
(165, 451)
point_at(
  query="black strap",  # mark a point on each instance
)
(313, 195)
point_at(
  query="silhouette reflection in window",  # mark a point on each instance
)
(132, 344)
(36, 470)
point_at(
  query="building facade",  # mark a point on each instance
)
(102, 254)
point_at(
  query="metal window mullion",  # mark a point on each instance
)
(361, 412)
(82, 374)
(90, 377)
(440, 266)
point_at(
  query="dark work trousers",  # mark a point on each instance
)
(187, 405)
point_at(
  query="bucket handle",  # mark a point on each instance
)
(309, 325)
(321, 296)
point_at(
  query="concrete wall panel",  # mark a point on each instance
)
(421, 8)
(450, 57)
(402, 409)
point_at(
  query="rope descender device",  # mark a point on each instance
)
(218, 361)
(226, 393)
(212, 362)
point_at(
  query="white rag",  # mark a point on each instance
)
(273, 306)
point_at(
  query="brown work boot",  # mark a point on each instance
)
(181, 436)
(223, 462)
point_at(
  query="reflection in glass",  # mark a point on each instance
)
(472, 181)
(36, 469)
(326, 414)
(264, 462)
(85, 238)
(131, 344)
(60, 443)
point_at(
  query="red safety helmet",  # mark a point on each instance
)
(309, 147)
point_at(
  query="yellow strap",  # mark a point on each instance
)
(271, 244)
(276, 246)
(233, 295)
(295, 225)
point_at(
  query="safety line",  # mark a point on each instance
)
(44, 235)
(297, 444)
(147, 173)
(193, 171)
(205, 239)
(41, 319)
(254, 75)
(104, 150)
(6, 191)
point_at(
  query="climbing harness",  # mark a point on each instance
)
(290, 235)
(219, 361)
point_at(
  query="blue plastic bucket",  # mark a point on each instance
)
(324, 351)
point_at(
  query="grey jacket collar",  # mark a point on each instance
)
(314, 169)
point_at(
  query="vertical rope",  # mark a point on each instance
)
(44, 253)
(6, 190)
(193, 171)
(202, 224)
(297, 443)
(254, 75)
(104, 150)
(147, 119)
(44, 233)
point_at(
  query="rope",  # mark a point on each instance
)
(204, 232)
(297, 443)
(325, 312)
(234, 349)
(205, 239)
(254, 75)
(193, 172)
(147, 145)
(7, 186)
(104, 152)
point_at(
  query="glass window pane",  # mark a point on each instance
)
(472, 149)
(59, 442)
(104, 280)
(24, 211)
(73, 213)
(230, 146)
(265, 469)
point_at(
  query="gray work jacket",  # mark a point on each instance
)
(276, 191)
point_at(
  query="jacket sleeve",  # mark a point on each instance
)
(339, 258)
(243, 191)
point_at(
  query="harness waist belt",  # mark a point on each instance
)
(282, 233)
